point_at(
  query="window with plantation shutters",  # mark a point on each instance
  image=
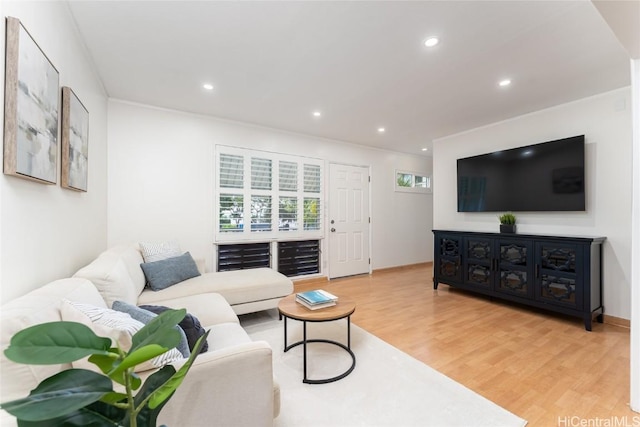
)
(260, 174)
(260, 213)
(262, 195)
(288, 214)
(231, 212)
(311, 213)
(288, 173)
(231, 171)
(311, 178)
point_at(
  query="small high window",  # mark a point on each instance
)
(413, 182)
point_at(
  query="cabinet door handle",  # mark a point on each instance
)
(537, 271)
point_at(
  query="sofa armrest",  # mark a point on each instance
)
(228, 387)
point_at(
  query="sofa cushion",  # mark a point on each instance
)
(167, 272)
(146, 316)
(156, 251)
(190, 325)
(132, 258)
(210, 308)
(226, 335)
(109, 274)
(118, 326)
(38, 306)
(237, 287)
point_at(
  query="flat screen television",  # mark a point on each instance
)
(542, 177)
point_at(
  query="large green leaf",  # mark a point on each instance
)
(55, 342)
(97, 414)
(148, 416)
(106, 362)
(164, 392)
(160, 331)
(137, 357)
(111, 398)
(108, 366)
(60, 394)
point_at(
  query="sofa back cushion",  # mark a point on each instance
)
(117, 274)
(38, 306)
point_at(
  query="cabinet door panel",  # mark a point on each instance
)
(449, 258)
(514, 253)
(515, 265)
(478, 261)
(558, 290)
(514, 281)
(449, 269)
(558, 258)
(559, 274)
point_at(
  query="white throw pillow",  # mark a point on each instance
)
(156, 251)
(118, 326)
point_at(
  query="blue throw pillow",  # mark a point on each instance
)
(167, 272)
(145, 316)
(190, 324)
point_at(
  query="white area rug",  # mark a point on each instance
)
(386, 388)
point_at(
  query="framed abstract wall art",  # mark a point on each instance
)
(31, 106)
(75, 142)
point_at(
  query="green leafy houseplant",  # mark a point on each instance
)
(507, 223)
(507, 219)
(80, 397)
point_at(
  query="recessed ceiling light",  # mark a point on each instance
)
(381, 130)
(425, 149)
(504, 83)
(208, 86)
(431, 41)
(317, 114)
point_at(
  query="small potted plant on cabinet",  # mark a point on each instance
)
(507, 223)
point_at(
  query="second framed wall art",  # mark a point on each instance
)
(75, 142)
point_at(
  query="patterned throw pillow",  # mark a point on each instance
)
(120, 327)
(146, 316)
(156, 251)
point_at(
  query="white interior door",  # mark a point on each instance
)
(348, 220)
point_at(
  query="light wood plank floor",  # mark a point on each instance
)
(540, 366)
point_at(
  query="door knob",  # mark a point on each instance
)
(333, 230)
(332, 222)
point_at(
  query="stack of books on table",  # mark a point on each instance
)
(314, 300)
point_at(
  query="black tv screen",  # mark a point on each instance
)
(540, 177)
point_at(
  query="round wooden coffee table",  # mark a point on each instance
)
(344, 308)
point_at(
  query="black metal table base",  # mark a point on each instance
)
(305, 341)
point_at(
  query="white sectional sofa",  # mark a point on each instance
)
(117, 275)
(231, 384)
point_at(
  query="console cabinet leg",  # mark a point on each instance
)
(587, 322)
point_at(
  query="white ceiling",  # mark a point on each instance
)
(362, 63)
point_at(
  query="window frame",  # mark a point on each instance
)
(246, 233)
(413, 188)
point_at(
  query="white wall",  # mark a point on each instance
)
(48, 232)
(635, 236)
(605, 120)
(161, 176)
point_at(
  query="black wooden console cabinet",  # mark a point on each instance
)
(562, 274)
